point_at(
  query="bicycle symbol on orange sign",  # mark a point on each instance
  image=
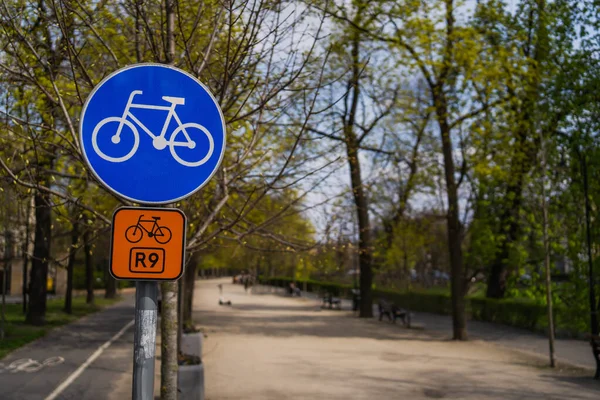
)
(135, 233)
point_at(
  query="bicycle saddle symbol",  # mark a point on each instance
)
(188, 130)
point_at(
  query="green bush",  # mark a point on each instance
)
(335, 289)
(513, 312)
(79, 282)
(520, 313)
(435, 303)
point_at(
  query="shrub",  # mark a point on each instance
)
(513, 312)
(520, 313)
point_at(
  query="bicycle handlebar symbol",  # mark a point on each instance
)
(158, 141)
(135, 233)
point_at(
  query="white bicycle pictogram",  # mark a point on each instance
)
(30, 365)
(158, 141)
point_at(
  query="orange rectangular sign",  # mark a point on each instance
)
(148, 244)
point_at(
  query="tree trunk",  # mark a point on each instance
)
(89, 267)
(168, 363)
(25, 253)
(509, 223)
(364, 233)
(8, 258)
(110, 284)
(71, 264)
(547, 259)
(459, 322)
(3, 305)
(496, 285)
(594, 326)
(179, 314)
(188, 291)
(7, 268)
(360, 198)
(168, 345)
(36, 313)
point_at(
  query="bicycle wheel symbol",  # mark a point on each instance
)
(161, 234)
(121, 124)
(194, 132)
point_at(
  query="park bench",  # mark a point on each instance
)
(392, 311)
(331, 302)
(293, 290)
(595, 342)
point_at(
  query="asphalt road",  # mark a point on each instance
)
(36, 371)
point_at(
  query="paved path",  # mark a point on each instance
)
(107, 377)
(271, 347)
(569, 352)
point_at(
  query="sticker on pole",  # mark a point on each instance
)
(147, 244)
(152, 133)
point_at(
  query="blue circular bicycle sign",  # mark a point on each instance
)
(152, 133)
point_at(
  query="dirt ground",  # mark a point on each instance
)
(267, 346)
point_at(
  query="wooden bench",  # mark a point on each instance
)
(332, 302)
(595, 343)
(293, 290)
(392, 311)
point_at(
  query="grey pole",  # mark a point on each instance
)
(144, 342)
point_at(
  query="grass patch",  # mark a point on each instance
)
(18, 334)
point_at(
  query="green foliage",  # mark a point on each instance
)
(273, 252)
(424, 301)
(79, 278)
(514, 312)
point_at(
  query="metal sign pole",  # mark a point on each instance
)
(144, 342)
